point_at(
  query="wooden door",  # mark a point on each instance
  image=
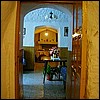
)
(18, 54)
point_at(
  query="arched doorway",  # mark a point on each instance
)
(71, 26)
(60, 31)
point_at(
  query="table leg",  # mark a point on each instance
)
(60, 69)
(64, 64)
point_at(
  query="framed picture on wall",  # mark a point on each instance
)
(65, 31)
(24, 31)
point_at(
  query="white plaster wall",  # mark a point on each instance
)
(63, 41)
(8, 20)
(93, 49)
(37, 18)
(28, 40)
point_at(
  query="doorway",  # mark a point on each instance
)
(64, 37)
(57, 16)
(43, 44)
(52, 40)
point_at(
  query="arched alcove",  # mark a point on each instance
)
(45, 38)
(26, 8)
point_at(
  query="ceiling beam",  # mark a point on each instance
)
(59, 1)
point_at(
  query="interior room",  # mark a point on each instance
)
(37, 23)
(46, 27)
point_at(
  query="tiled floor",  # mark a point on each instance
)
(34, 88)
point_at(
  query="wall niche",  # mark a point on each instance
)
(43, 42)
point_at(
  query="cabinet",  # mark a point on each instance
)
(42, 42)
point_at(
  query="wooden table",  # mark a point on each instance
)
(62, 63)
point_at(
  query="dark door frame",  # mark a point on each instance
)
(17, 45)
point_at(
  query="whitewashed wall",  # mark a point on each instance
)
(65, 19)
(40, 17)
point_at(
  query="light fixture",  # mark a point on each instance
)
(76, 34)
(51, 16)
(46, 33)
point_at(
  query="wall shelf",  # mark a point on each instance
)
(41, 42)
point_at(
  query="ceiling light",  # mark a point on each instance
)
(46, 34)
